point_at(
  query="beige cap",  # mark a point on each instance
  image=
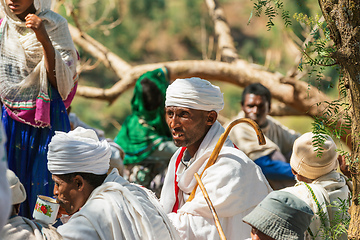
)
(18, 193)
(304, 159)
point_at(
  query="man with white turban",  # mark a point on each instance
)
(101, 206)
(234, 183)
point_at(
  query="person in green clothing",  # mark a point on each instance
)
(145, 136)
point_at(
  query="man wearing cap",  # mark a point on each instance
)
(320, 185)
(19, 227)
(234, 183)
(102, 206)
(280, 216)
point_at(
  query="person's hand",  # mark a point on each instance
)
(36, 24)
(344, 167)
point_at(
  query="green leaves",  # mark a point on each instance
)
(271, 9)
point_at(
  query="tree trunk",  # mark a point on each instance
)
(343, 19)
(354, 228)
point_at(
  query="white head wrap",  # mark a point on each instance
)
(194, 93)
(18, 193)
(78, 151)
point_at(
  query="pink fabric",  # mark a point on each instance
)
(40, 116)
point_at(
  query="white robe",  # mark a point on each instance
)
(328, 189)
(119, 210)
(234, 184)
(20, 228)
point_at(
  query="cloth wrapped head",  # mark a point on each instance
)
(281, 215)
(305, 159)
(194, 93)
(78, 151)
(18, 193)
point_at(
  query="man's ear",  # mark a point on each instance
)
(79, 182)
(211, 118)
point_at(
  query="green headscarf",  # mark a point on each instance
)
(144, 130)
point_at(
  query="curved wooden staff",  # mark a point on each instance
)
(212, 160)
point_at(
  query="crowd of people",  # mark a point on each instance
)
(281, 190)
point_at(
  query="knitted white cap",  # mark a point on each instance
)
(304, 159)
(18, 193)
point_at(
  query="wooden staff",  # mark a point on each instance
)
(211, 206)
(211, 161)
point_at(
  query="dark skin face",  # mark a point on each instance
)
(71, 195)
(256, 108)
(257, 235)
(21, 8)
(189, 126)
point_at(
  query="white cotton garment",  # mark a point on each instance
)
(329, 189)
(23, 75)
(194, 93)
(234, 183)
(119, 210)
(78, 151)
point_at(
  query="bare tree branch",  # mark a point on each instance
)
(289, 90)
(96, 49)
(222, 31)
(281, 109)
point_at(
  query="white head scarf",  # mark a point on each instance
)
(23, 74)
(40, 6)
(78, 151)
(194, 93)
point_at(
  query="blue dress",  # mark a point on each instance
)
(27, 148)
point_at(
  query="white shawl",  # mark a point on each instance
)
(23, 77)
(20, 228)
(328, 189)
(119, 210)
(234, 183)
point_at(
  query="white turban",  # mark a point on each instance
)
(194, 93)
(18, 193)
(78, 151)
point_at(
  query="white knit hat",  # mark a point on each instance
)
(18, 193)
(304, 159)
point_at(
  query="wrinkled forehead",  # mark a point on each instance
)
(184, 109)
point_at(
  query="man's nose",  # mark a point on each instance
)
(173, 122)
(255, 109)
(56, 190)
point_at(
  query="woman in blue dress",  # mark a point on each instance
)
(37, 83)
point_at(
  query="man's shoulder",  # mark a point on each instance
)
(234, 158)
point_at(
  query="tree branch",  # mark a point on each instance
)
(96, 49)
(222, 31)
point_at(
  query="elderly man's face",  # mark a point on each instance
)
(68, 194)
(257, 235)
(189, 126)
(256, 108)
